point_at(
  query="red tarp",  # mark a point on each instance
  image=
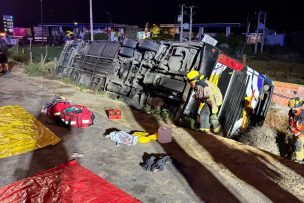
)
(68, 182)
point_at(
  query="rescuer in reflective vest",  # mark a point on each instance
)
(209, 97)
(296, 123)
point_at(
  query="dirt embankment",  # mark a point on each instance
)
(213, 166)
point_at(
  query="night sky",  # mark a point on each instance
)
(283, 15)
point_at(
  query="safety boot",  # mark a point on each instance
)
(217, 130)
(205, 130)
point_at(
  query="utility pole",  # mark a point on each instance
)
(190, 28)
(181, 23)
(108, 21)
(41, 12)
(263, 33)
(91, 21)
(257, 35)
(41, 20)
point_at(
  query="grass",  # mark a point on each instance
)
(36, 69)
(53, 52)
(278, 70)
(22, 54)
(18, 55)
(158, 113)
(81, 87)
(189, 123)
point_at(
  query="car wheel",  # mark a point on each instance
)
(127, 52)
(148, 45)
(129, 43)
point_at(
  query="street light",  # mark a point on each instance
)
(91, 21)
(41, 12)
(41, 19)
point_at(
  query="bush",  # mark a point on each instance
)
(53, 52)
(18, 56)
(158, 113)
(261, 137)
(97, 36)
(36, 69)
(189, 123)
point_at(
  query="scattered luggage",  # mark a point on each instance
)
(63, 113)
(122, 137)
(77, 116)
(54, 107)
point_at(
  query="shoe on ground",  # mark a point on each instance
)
(8, 74)
(217, 130)
(300, 162)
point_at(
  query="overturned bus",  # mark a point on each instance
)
(153, 73)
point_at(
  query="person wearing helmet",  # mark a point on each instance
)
(3, 54)
(209, 97)
(296, 123)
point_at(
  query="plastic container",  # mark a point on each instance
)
(114, 114)
(164, 135)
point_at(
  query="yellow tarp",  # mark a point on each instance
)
(21, 132)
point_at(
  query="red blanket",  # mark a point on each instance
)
(68, 182)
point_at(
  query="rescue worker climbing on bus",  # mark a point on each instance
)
(209, 98)
(296, 123)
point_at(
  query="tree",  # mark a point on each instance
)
(155, 30)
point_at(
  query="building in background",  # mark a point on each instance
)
(102, 31)
(198, 29)
(264, 36)
(8, 24)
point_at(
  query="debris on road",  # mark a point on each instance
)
(157, 163)
(122, 137)
(145, 137)
(77, 155)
